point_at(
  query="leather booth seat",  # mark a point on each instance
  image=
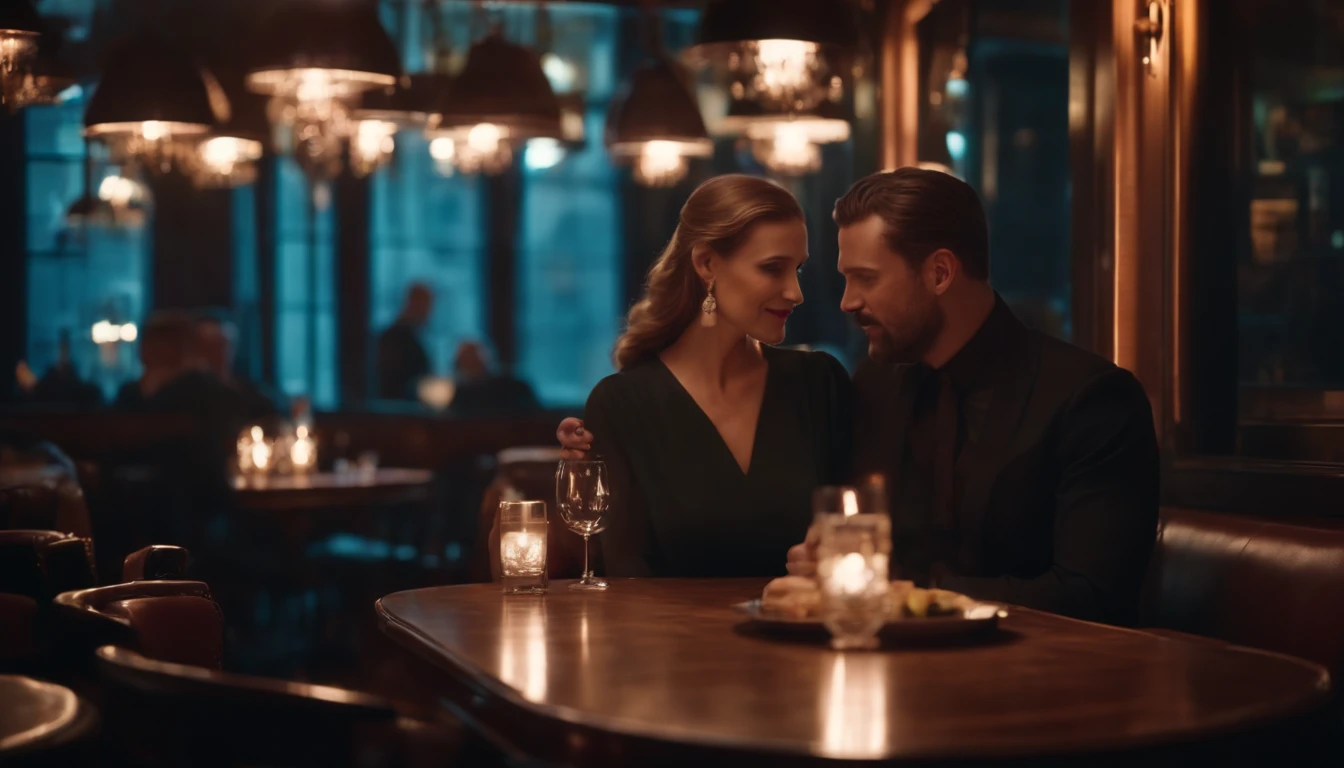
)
(1271, 583)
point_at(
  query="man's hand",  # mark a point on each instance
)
(803, 557)
(575, 441)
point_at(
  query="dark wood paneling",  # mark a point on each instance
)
(268, 238)
(13, 248)
(503, 203)
(353, 295)
(1253, 487)
(193, 245)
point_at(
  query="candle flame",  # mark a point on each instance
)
(851, 503)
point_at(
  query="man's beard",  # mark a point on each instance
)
(905, 348)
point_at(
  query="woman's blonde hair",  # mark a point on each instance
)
(719, 214)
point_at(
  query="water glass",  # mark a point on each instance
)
(853, 557)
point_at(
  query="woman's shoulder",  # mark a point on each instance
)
(623, 384)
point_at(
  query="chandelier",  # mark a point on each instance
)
(378, 117)
(153, 105)
(787, 144)
(657, 126)
(315, 63)
(500, 100)
(786, 55)
(20, 36)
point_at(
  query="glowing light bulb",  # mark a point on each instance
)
(660, 164)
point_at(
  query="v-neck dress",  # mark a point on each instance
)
(681, 506)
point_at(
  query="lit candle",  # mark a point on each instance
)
(851, 575)
(850, 502)
(522, 553)
(303, 452)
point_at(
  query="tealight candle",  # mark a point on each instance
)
(255, 452)
(303, 451)
(522, 553)
(522, 547)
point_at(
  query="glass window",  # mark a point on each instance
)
(305, 289)
(1290, 267)
(994, 111)
(79, 276)
(569, 231)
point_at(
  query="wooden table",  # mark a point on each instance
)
(381, 488)
(37, 716)
(662, 671)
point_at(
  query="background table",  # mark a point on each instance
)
(383, 487)
(662, 671)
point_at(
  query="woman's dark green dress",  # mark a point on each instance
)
(680, 503)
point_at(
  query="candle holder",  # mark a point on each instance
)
(256, 453)
(853, 555)
(522, 547)
(302, 451)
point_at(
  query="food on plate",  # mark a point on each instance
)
(793, 596)
(923, 603)
(799, 597)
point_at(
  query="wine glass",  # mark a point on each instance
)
(582, 495)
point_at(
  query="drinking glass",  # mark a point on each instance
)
(853, 551)
(522, 547)
(582, 495)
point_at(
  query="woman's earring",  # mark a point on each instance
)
(708, 316)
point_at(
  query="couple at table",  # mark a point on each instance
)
(1019, 468)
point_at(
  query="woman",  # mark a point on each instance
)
(714, 439)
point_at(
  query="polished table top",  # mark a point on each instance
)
(32, 711)
(667, 660)
(381, 487)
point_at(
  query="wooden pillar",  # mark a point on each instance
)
(503, 203)
(353, 297)
(13, 247)
(192, 247)
(268, 238)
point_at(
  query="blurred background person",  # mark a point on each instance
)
(402, 361)
(481, 392)
(217, 343)
(61, 384)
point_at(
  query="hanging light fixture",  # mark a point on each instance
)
(380, 114)
(20, 31)
(657, 125)
(153, 104)
(314, 63)
(788, 144)
(500, 100)
(227, 156)
(43, 80)
(785, 54)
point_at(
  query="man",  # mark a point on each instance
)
(402, 361)
(174, 382)
(61, 384)
(216, 341)
(167, 349)
(1020, 469)
(482, 393)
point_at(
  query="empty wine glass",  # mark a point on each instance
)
(582, 495)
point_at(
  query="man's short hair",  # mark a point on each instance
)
(923, 211)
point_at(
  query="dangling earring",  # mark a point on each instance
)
(708, 317)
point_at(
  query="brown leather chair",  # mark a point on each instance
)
(1270, 583)
(34, 567)
(160, 713)
(176, 621)
(156, 562)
